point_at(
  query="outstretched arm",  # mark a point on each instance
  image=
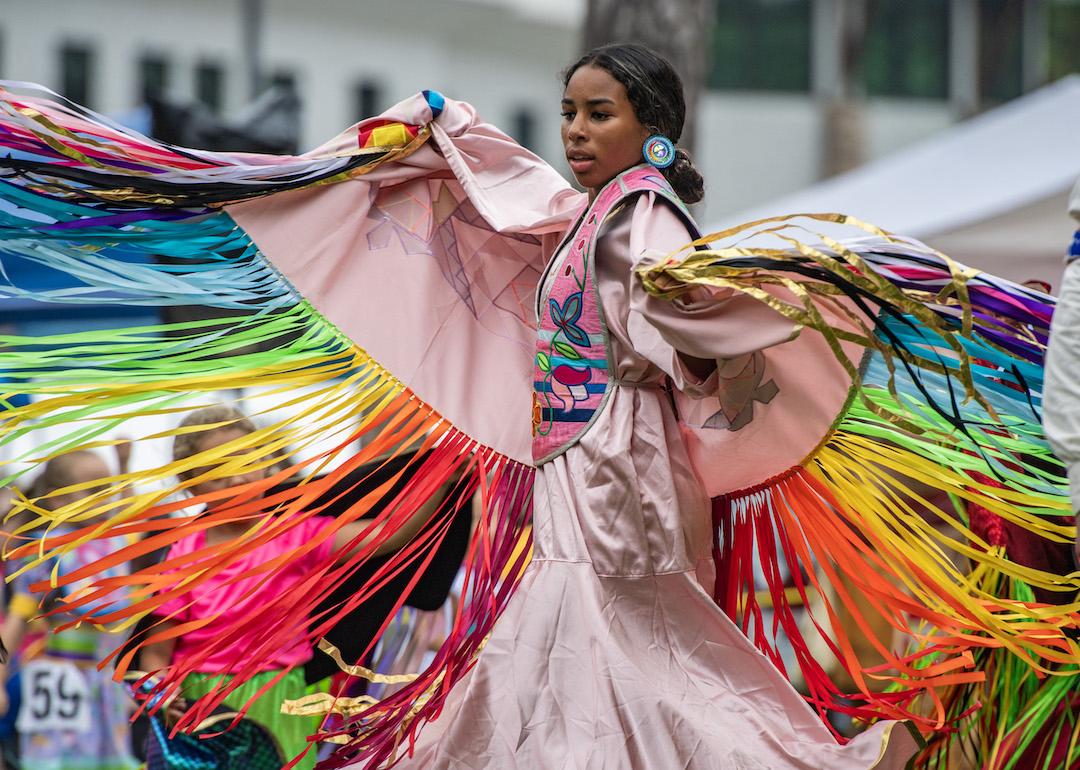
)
(157, 656)
(693, 335)
(704, 323)
(344, 537)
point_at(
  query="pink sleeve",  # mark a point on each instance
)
(719, 324)
(178, 604)
(308, 531)
(289, 541)
(300, 535)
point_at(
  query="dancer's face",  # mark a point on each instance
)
(211, 440)
(601, 134)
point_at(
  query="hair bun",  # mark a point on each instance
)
(684, 177)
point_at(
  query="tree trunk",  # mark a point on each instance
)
(679, 30)
(845, 130)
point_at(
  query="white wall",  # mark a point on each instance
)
(755, 147)
(894, 123)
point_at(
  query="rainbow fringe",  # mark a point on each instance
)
(949, 389)
(122, 219)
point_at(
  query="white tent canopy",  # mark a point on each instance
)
(991, 191)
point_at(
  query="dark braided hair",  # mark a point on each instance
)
(655, 91)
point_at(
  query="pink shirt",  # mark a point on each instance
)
(225, 602)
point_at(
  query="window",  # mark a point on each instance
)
(1063, 23)
(283, 79)
(367, 99)
(761, 45)
(1000, 54)
(523, 127)
(153, 77)
(210, 85)
(907, 48)
(77, 73)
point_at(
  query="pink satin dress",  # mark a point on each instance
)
(612, 654)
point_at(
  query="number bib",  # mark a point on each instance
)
(55, 696)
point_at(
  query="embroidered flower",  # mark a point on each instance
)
(566, 316)
(568, 384)
(537, 413)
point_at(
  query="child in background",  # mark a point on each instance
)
(73, 716)
(9, 739)
(289, 731)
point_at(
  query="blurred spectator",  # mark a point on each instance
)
(72, 714)
(1061, 400)
(239, 589)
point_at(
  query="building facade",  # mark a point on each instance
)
(798, 88)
